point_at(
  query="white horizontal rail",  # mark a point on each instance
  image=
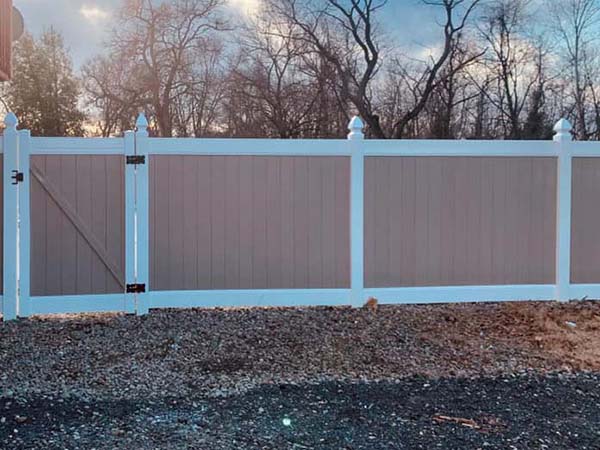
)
(311, 147)
(446, 294)
(66, 304)
(459, 148)
(580, 291)
(77, 146)
(250, 147)
(585, 149)
(250, 297)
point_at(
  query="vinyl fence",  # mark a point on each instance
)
(133, 223)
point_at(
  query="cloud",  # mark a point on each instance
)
(93, 13)
(247, 7)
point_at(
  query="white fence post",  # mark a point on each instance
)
(10, 290)
(357, 200)
(142, 214)
(563, 138)
(24, 223)
(130, 299)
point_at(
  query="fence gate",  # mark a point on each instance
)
(72, 242)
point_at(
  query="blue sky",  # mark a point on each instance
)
(85, 23)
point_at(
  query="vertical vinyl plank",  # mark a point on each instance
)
(447, 222)
(301, 222)
(54, 220)
(421, 219)
(217, 215)
(328, 230)
(409, 202)
(115, 220)
(396, 224)
(259, 223)
(342, 222)
(370, 211)
(486, 221)
(382, 217)
(98, 226)
(499, 207)
(434, 232)
(68, 189)
(38, 230)
(190, 217)
(160, 181)
(274, 224)
(176, 222)
(204, 234)
(246, 222)
(549, 224)
(232, 221)
(287, 222)
(315, 214)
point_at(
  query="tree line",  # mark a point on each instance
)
(501, 69)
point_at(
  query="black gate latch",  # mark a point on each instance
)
(17, 177)
(136, 288)
(136, 159)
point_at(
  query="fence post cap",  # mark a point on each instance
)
(141, 124)
(563, 130)
(355, 127)
(11, 121)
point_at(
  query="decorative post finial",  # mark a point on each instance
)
(141, 124)
(355, 127)
(11, 121)
(563, 131)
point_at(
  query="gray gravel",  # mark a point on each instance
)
(448, 376)
(525, 412)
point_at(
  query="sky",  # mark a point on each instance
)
(85, 24)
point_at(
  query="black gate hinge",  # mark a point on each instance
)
(17, 177)
(136, 288)
(136, 159)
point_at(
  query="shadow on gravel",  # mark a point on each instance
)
(554, 412)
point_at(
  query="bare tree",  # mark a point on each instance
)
(164, 39)
(271, 75)
(111, 90)
(574, 22)
(510, 61)
(423, 84)
(344, 34)
(448, 104)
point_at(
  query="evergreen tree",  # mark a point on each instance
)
(537, 126)
(44, 92)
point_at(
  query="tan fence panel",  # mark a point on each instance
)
(444, 221)
(249, 222)
(585, 217)
(77, 224)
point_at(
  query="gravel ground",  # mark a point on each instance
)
(445, 376)
(526, 412)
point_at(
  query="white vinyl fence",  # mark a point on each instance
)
(134, 223)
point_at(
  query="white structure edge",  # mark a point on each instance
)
(357, 207)
(10, 287)
(142, 213)
(563, 140)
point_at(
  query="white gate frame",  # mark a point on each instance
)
(17, 146)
